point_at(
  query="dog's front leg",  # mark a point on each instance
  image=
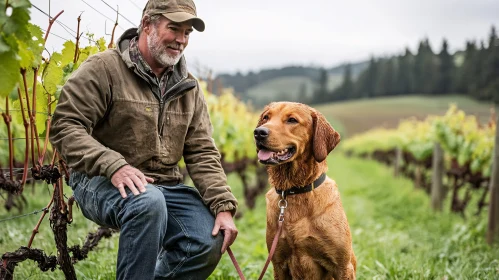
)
(281, 271)
(347, 273)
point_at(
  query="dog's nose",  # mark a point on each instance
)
(261, 133)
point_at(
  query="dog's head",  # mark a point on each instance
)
(287, 131)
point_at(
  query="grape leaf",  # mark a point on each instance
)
(20, 4)
(52, 76)
(4, 47)
(36, 44)
(68, 53)
(17, 22)
(101, 43)
(9, 73)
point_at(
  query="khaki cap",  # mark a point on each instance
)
(175, 10)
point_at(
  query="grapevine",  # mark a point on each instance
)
(468, 147)
(31, 85)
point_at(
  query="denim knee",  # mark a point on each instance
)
(150, 205)
(210, 250)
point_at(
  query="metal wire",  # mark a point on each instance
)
(24, 215)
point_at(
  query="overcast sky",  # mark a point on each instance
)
(244, 35)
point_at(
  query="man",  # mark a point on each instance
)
(124, 120)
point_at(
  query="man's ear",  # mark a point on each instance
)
(146, 24)
(325, 137)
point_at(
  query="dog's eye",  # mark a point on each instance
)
(265, 118)
(292, 120)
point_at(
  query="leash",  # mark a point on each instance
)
(282, 206)
(283, 203)
(234, 261)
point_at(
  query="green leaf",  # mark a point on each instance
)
(53, 74)
(31, 49)
(101, 43)
(20, 4)
(13, 94)
(9, 73)
(17, 23)
(4, 47)
(36, 44)
(68, 53)
(25, 54)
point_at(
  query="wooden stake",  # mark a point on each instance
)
(437, 192)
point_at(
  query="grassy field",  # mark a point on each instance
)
(360, 115)
(395, 234)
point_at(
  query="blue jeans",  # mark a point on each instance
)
(165, 232)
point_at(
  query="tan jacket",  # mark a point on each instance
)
(108, 116)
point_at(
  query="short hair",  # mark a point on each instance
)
(153, 19)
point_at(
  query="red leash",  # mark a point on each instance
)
(272, 250)
(234, 261)
(282, 205)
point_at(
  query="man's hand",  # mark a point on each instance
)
(131, 177)
(225, 223)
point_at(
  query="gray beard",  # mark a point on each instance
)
(158, 51)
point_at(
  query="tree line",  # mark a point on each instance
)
(473, 72)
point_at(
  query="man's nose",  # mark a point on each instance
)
(181, 39)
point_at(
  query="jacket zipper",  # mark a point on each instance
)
(162, 104)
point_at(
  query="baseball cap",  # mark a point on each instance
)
(175, 10)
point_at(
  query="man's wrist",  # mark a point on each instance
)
(114, 167)
(226, 207)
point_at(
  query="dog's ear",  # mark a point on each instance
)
(325, 137)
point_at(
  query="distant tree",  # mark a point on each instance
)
(303, 93)
(425, 70)
(466, 80)
(446, 70)
(385, 83)
(346, 90)
(491, 68)
(404, 83)
(321, 92)
(366, 83)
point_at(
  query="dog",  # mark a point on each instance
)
(293, 141)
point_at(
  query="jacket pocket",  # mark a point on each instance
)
(174, 132)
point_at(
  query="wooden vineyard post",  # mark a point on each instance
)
(418, 176)
(437, 191)
(398, 161)
(493, 226)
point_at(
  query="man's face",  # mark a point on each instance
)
(167, 40)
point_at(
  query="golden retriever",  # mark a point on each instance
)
(293, 140)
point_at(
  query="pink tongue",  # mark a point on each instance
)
(264, 154)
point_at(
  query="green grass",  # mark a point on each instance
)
(395, 235)
(360, 115)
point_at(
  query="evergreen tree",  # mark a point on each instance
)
(404, 83)
(466, 81)
(346, 90)
(491, 68)
(385, 84)
(367, 80)
(446, 70)
(425, 68)
(321, 92)
(303, 93)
